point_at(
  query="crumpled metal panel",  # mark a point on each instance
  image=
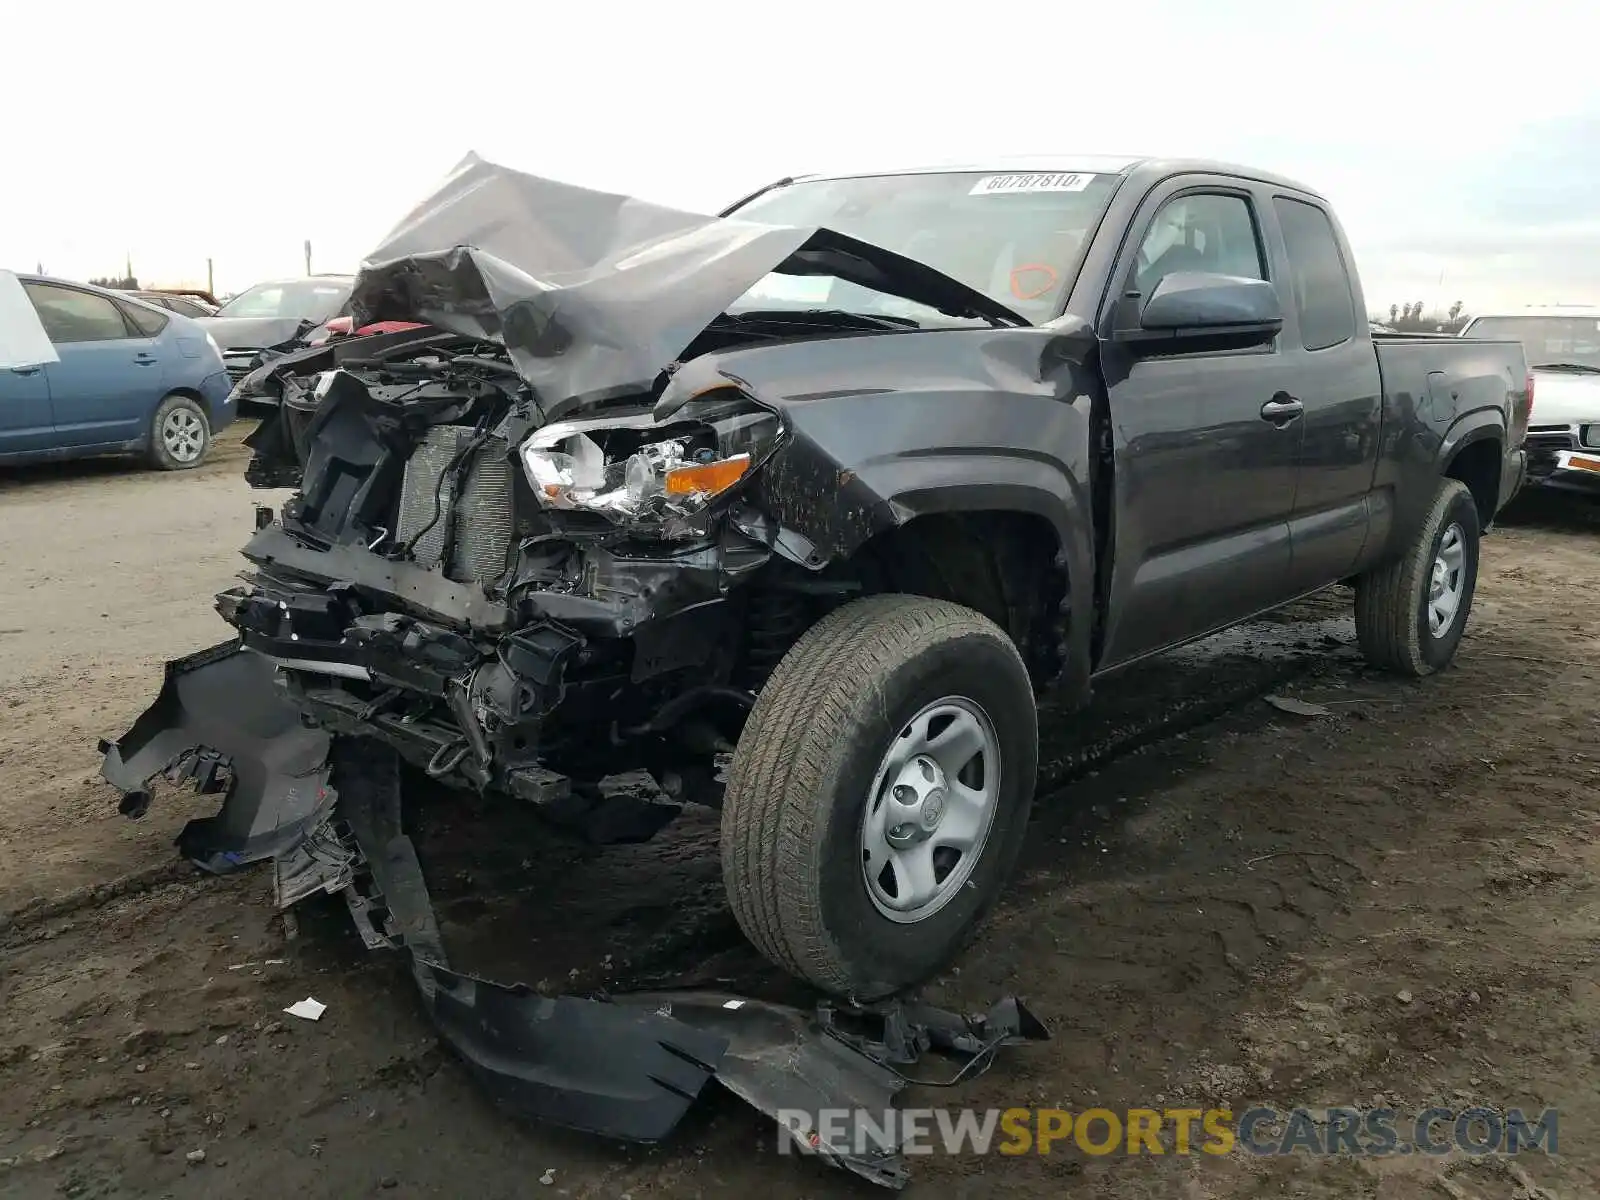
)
(594, 294)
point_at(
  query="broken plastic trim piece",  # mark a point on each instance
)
(630, 1066)
(220, 721)
(627, 1067)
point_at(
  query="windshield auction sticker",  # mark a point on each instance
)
(1050, 181)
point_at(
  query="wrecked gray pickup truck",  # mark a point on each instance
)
(796, 509)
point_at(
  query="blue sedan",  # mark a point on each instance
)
(124, 377)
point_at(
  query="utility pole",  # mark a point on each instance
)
(308, 256)
(211, 280)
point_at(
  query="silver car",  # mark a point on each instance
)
(1562, 343)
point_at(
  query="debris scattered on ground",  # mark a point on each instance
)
(309, 1008)
(1300, 708)
(196, 1156)
(1403, 995)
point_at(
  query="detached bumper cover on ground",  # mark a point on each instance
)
(326, 812)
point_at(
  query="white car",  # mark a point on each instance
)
(1562, 344)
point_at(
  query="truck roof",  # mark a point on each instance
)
(1089, 164)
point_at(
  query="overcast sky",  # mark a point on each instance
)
(1460, 143)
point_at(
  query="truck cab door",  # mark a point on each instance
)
(1339, 384)
(1205, 440)
(110, 376)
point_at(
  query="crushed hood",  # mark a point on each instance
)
(593, 294)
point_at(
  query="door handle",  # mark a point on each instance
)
(26, 370)
(144, 360)
(1282, 409)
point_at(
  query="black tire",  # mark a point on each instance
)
(797, 791)
(192, 418)
(1392, 611)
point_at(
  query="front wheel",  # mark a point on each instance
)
(879, 794)
(1411, 613)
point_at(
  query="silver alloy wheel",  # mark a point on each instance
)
(1447, 581)
(183, 434)
(930, 810)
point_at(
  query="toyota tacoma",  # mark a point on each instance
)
(798, 508)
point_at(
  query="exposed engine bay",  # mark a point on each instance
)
(512, 604)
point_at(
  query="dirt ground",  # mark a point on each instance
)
(1222, 904)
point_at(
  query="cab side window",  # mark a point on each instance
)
(1201, 231)
(1323, 299)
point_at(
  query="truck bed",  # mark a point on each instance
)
(1444, 388)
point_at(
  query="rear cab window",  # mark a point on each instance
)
(1324, 301)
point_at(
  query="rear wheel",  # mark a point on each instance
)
(879, 794)
(1411, 613)
(180, 435)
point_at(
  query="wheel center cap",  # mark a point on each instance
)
(917, 801)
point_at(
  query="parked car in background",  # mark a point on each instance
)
(1562, 344)
(127, 378)
(200, 294)
(180, 303)
(279, 314)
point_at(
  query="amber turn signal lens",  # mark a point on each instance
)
(707, 477)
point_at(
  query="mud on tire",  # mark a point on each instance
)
(1393, 625)
(795, 853)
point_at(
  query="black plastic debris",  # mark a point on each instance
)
(328, 812)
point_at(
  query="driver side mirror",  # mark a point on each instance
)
(1200, 304)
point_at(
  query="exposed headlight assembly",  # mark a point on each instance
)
(638, 473)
